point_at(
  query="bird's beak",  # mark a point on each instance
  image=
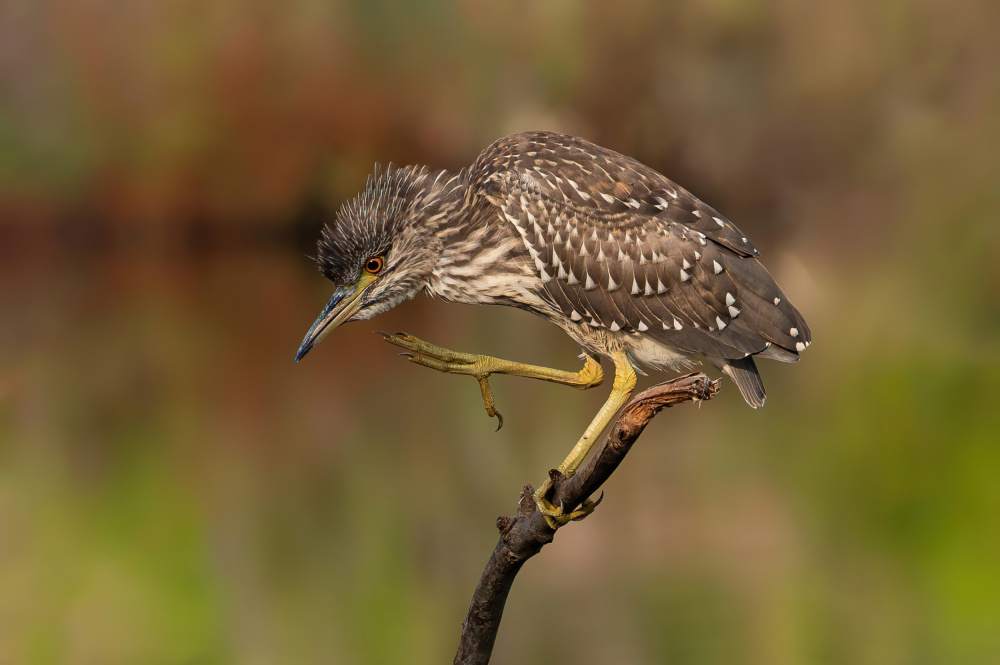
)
(345, 302)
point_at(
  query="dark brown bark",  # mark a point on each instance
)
(524, 535)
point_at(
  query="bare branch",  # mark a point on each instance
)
(523, 536)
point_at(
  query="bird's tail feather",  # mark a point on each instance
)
(743, 372)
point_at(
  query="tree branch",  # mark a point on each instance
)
(524, 535)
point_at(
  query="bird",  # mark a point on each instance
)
(631, 266)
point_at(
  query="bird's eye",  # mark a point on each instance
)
(373, 266)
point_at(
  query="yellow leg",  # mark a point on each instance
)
(479, 366)
(621, 392)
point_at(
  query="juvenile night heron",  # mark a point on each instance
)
(630, 265)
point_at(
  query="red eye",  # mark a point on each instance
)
(373, 266)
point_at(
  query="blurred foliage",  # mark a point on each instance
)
(174, 490)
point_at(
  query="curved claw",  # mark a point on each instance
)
(499, 420)
(585, 508)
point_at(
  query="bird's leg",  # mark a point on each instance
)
(621, 392)
(480, 366)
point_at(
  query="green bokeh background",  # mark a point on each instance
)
(174, 490)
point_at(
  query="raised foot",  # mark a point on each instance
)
(438, 358)
(452, 362)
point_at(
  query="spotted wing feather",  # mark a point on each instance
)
(620, 247)
(600, 182)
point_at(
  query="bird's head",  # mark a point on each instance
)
(380, 249)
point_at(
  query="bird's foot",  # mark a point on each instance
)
(452, 362)
(554, 515)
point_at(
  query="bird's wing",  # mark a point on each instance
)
(599, 182)
(619, 246)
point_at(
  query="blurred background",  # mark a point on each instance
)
(174, 490)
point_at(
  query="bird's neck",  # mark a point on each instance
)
(480, 260)
(439, 196)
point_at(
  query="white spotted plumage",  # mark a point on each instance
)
(616, 254)
(675, 261)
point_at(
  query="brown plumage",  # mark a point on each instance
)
(620, 248)
(620, 257)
